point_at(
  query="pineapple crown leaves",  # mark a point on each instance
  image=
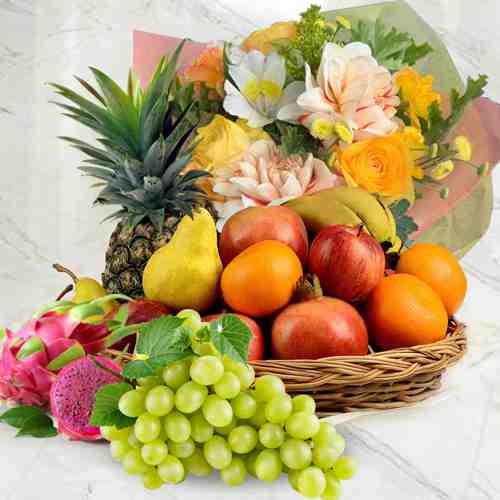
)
(142, 144)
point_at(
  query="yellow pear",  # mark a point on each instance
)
(185, 272)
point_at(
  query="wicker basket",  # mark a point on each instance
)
(382, 380)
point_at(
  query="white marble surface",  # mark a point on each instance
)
(449, 451)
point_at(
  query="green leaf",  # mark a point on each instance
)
(437, 127)
(120, 332)
(40, 426)
(106, 411)
(404, 223)
(160, 342)
(3, 334)
(390, 47)
(30, 421)
(231, 336)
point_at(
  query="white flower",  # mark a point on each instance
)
(265, 176)
(351, 89)
(259, 92)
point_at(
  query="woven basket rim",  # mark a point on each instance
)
(455, 333)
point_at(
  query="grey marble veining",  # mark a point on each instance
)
(447, 451)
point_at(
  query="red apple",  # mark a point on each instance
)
(256, 347)
(319, 328)
(348, 262)
(139, 311)
(256, 224)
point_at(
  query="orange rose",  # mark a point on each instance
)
(263, 39)
(208, 68)
(382, 165)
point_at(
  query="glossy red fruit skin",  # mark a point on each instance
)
(348, 262)
(256, 349)
(255, 224)
(139, 311)
(319, 328)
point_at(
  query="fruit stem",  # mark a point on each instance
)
(65, 292)
(360, 228)
(62, 269)
(124, 355)
(105, 368)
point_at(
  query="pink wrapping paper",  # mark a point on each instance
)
(481, 124)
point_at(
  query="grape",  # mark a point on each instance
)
(197, 465)
(201, 430)
(217, 452)
(190, 397)
(250, 461)
(325, 435)
(271, 435)
(245, 373)
(235, 473)
(205, 349)
(268, 465)
(176, 374)
(133, 463)
(226, 429)
(345, 468)
(243, 439)
(177, 427)
(147, 428)
(259, 418)
(154, 452)
(149, 382)
(192, 319)
(279, 409)
(217, 411)
(131, 403)
(134, 442)
(311, 482)
(302, 425)
(206, 370)
(171, 470)
(111, 433)
(267, 387)
(151, 480)
(244, 405)
(119, 449)
(304, 403)
(228, 387)
(230, 365)
(181, 450)
(296, 454)
(293, 478)
(160, 401)
(324, 457)
(333, 487)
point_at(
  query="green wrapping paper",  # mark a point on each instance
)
(459, 222)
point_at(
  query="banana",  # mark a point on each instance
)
(393, 238)
(346, 205)
(365, 206)
(318, 213)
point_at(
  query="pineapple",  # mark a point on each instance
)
(140, 166)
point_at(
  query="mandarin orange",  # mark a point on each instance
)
(403, 311)
(261, 280)
(440, 269)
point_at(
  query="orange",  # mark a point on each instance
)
(261, 280)
(403, 311)
(440, 269)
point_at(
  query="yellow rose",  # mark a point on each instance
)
(263, 39)
(221, 141)
(382, 165)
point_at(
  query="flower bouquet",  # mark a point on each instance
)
(275, 200)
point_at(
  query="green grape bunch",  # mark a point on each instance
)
(208, 411)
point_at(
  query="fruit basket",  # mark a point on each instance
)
(380, 380)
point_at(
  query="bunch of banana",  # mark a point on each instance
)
(349, 206)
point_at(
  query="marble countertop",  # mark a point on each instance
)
(440, 452)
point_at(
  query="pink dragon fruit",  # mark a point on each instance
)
(72, 395)
(31, 357)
